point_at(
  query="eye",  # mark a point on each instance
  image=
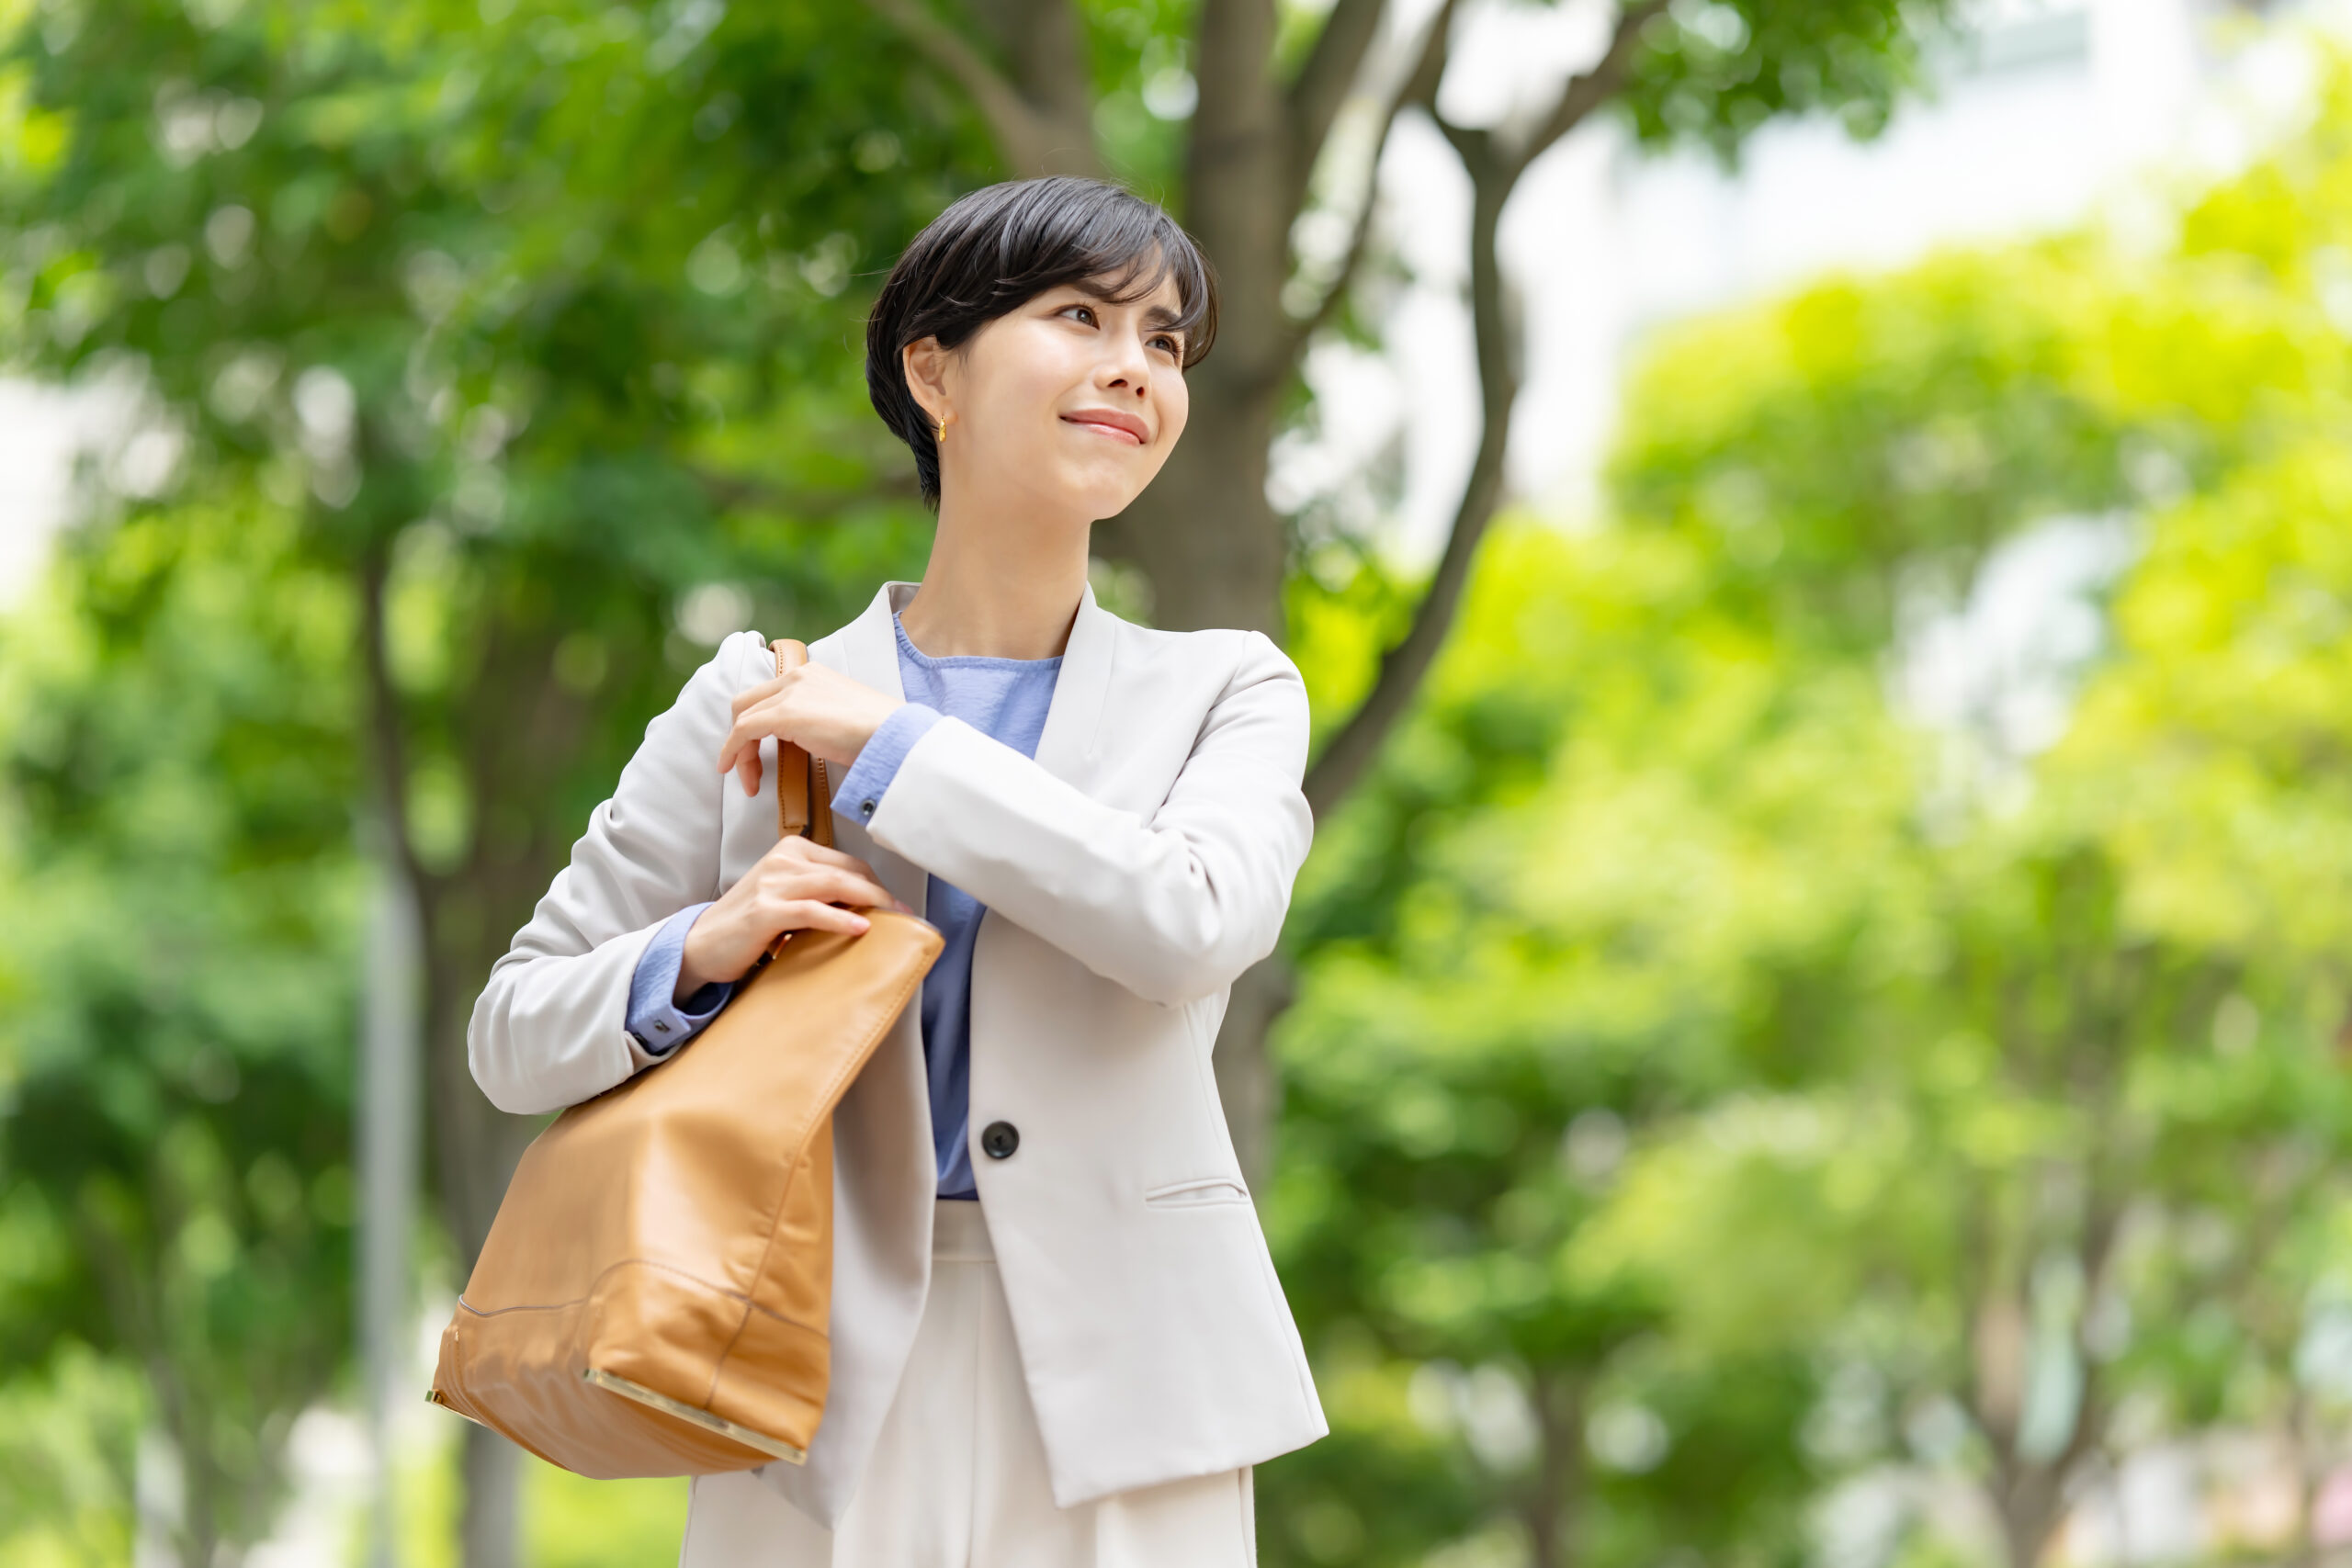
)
(1170, 346)
(1079, 313)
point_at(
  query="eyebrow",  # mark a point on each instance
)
(1160, 317)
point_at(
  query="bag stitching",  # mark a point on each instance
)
(637, 1263)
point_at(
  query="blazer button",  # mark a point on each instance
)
(999, 1139)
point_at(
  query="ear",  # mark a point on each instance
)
(925, 363)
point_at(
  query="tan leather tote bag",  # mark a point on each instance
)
(654, 1295)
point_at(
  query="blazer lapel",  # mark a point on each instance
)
(1066, 749)
(868, 646)
(867, 651)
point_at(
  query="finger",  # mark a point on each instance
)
(752, 696)
(730, 748)
(828, 884)
(867, 890)
(752, 727)
(808, 915)
(815, 853)
(748, 769)
(859, 892)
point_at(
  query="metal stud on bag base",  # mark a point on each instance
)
(703, 1418)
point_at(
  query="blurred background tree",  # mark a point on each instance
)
(175, 1199)
(1727, 1067)
(530, 325)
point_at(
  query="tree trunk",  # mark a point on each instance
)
(1553, 1501)
(490, 1533)
(521, 731)
(475, 1147)
(2311, 1473)
(1203, 534)
(1246, 1080)
(2029, 1500)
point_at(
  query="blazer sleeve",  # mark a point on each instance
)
(1173, 906)
(550, 1028)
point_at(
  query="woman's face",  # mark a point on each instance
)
(1069, 404)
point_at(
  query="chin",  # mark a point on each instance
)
(1100, 495)
(1102, 503)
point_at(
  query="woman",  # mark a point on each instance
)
(1057, 1333)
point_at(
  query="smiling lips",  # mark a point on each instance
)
(1118, 426)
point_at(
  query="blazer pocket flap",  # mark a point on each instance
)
(1197, 1193)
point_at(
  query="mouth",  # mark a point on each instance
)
(1110, 423)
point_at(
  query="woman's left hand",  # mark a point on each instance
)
(820, 710)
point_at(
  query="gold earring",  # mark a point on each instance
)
(940, 433)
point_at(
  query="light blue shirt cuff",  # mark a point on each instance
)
(863, 786)
(660, 1024)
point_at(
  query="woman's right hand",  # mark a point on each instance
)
(798, 885)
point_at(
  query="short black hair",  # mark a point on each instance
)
(993, 251)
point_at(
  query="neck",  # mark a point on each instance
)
(1001, 584)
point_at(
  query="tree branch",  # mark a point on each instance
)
(1359, 241)
(387, 742)
(1429, 70)
(1031, 142)
(1350, 751)
(1494, 173)
(1328, 76)
(1421, 86)
(1044, 46)
(1589, 89)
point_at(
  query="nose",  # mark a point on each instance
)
(1126, 366)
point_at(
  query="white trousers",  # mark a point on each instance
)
(959, 1477)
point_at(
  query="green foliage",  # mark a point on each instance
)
(1710, 1083)
(543, 308)
(66, 1438)
(506, 353)
(1827, 445)
(1588, 894)
(567, 1521)
(174, 1185)
(1713, 71)
(1140, 45)
(2235, 817)
(588, 1524)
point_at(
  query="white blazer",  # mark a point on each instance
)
(1131, 871)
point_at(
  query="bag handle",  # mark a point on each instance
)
(804, 796)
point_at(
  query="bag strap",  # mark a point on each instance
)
(804, 796)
